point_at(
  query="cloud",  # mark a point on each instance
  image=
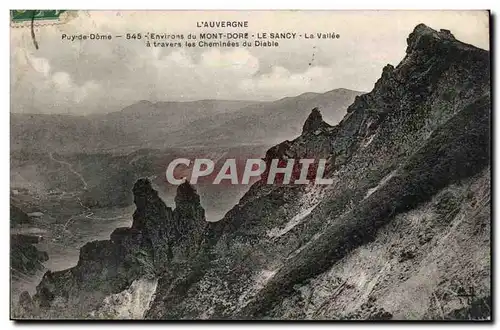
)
(288, 83)
(238, 61)
(48, 89)
(39, 65)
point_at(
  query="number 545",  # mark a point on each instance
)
(134, 36)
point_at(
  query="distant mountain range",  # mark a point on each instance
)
(172, 124)
(269, 122)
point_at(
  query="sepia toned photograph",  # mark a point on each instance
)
(250, 165)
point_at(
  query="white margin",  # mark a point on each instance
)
(190, 4)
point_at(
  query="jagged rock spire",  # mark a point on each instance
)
(186, 193)
(314, 121)
(150, 208)
(189, 214)
(174, 234)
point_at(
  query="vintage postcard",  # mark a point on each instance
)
(250, 165)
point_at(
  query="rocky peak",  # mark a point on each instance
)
(432, 57)
(150, 208)
(186, 194)
(189, 214)
(314, 121)
(159, 222)
(188, 206)
(143, 191)
(424, 37)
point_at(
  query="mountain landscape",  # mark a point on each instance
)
(174, 124)
(402, 233)
(77, 172)
(130, 127)
(100, 156)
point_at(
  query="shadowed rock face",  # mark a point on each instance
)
(314, 122)
(17, 216)
(154, 220)
(189, 213)
(150, 208)
(25, 258)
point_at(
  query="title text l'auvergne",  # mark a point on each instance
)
(222, 24)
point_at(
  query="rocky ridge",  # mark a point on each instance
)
(423, 129)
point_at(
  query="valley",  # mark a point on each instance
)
(83, 190)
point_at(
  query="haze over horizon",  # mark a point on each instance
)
(106, 76)
(159, 102)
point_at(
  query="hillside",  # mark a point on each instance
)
(269, 122)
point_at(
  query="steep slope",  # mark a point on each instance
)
(149, 121)
(416, 267)
(26, 260)
(423, 130)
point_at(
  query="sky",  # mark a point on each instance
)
(98, 76)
